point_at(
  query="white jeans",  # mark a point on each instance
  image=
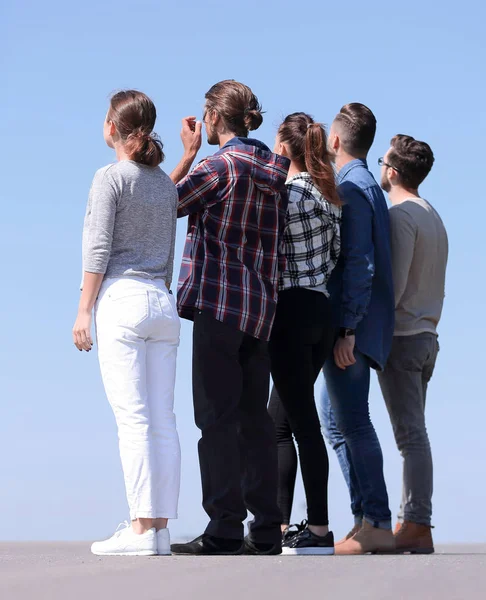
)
(138, 334)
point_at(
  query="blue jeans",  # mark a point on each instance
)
(344, 413)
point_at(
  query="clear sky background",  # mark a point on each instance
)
(420, 66)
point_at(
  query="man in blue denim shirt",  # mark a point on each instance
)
(361, 288)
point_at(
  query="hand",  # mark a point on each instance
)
(82, 331)
(191, 135)
(344, 352)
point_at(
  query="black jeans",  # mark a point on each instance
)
(237, 450)
(302, 339)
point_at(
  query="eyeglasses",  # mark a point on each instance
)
(382, 163)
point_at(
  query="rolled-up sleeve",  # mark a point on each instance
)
(357, 250)
(99, 224)
(197, 189)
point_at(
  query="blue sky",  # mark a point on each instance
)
(419, 68)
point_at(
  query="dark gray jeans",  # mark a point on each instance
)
(404, 385)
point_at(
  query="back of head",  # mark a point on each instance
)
(236, 105)
(134, 115)
(357, 127)
(306, 142)
(411, 159)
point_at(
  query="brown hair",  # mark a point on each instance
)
(411, 159)
(134, 115)
(237, 105)
(357, 125)
(307, 144)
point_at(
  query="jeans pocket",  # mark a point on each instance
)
(168, 305)
(129, 310)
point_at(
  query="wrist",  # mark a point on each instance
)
(189, 156)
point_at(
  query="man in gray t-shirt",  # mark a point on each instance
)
(419, 259)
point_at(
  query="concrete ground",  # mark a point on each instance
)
(68, 571)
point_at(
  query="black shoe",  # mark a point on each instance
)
(208, 545)
(292, 531)
(261, 549)
(306, 542)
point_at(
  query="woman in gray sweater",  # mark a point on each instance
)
(128, 255)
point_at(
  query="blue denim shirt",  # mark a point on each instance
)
(361, 285)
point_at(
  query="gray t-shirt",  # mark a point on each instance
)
(130, 224)
(419, 259)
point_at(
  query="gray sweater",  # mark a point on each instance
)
(130, 224)
(419, 258)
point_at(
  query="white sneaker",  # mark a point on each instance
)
(126, 542)
(163, 542)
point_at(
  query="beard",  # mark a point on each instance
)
(213, 138)
(385, 184)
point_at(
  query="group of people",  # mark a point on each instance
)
(293, 265)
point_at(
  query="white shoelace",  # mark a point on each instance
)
(118, 531)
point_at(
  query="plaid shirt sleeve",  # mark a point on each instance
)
(197, 189)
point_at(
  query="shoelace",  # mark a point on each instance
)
(295, 529)
(119, 531)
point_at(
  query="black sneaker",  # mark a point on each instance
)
(261, 549)
(208, 545)
(292, 531)
(306, 542)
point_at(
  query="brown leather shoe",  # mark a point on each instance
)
(414, 538)
(369, 539)
(353, 532)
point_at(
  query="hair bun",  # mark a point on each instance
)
(253, 119)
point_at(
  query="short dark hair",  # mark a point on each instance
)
(411, 159)
(357, 125)
(237, 105)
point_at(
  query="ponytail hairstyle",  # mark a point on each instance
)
(134, 114)
(306, 141)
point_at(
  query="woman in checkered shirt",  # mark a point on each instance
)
(302, 334)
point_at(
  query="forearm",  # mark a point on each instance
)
(183, 167)
(91, 287)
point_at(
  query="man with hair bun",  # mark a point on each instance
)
(228, 286)
(419, 258)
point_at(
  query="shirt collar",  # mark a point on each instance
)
(242, 141)
(357, 162)
(302, 175)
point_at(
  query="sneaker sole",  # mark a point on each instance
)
(308, 551)
(415, 551)
(135, 553)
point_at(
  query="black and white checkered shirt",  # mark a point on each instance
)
(312, 239)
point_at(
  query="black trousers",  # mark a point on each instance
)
(238, 449)
(302, 339)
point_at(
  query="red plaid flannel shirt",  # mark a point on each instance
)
(236, 202)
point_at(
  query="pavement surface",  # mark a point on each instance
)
(68, 571)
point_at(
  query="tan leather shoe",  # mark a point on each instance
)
(369, 539)
(353, 532)
(414, 539)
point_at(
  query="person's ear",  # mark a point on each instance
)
(214, 118)
(112, 128)
(393, 176)
(283, 150)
